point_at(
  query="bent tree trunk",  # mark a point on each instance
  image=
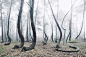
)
(82, 24)
(32, 46)
(45, 39)
(57, 46)
(9, 39)
(18, 27)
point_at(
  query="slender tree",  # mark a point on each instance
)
(36, 12)
(57, 19)
(82, 24)
(9, 39)
(84, 19)
(16, 36)
(58, 45)
(45, 39)
(52, 32)
(1, 22)
(44, 20)
(70, 23)
(27, 31)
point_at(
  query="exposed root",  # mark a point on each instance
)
(18, 46)
(7, 43)
(44, 43)
(28, 48)
(76, 49)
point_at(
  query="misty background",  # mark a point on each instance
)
(59, 6)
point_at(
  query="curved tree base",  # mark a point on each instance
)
(76, 49)
(32, 46)
(18, 46)
(57, 46)
(8, 42)
(55, 41)
(44, 42)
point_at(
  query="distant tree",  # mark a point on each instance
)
(52, 32)
(44, 20)
(9, 39)
(84, 19)
(45, 39)
(27, 31)
(16, 35)
(1, 22)
(82, 24)
(36, 12)
(70, 26)
(58, 45)
(57, 18)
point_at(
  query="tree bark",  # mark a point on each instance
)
(1, 22)
(9, 39)
(58, 45)
(18, 27)
(84, 20)
(27, 31)
(57, 19)
(32, 46)
(82, 25)
(45, 39)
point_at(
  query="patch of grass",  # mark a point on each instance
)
(72, 41)
(1, 49)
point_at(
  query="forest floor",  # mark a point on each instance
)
(42, 50)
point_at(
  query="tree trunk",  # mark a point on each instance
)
(45, 39)
(82, 24)
(57, 18)
(33, 28)
(27, 31)
(44, 20)
(16, 36)
(1, 22)
(84, 20)
(18, 27)
(52, 32)
(9, 39)
(57, 46)
(70, 23)
(63, 21)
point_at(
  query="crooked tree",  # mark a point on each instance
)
(32, 46)
(58, 45)
(9, 39)
(18, 26)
